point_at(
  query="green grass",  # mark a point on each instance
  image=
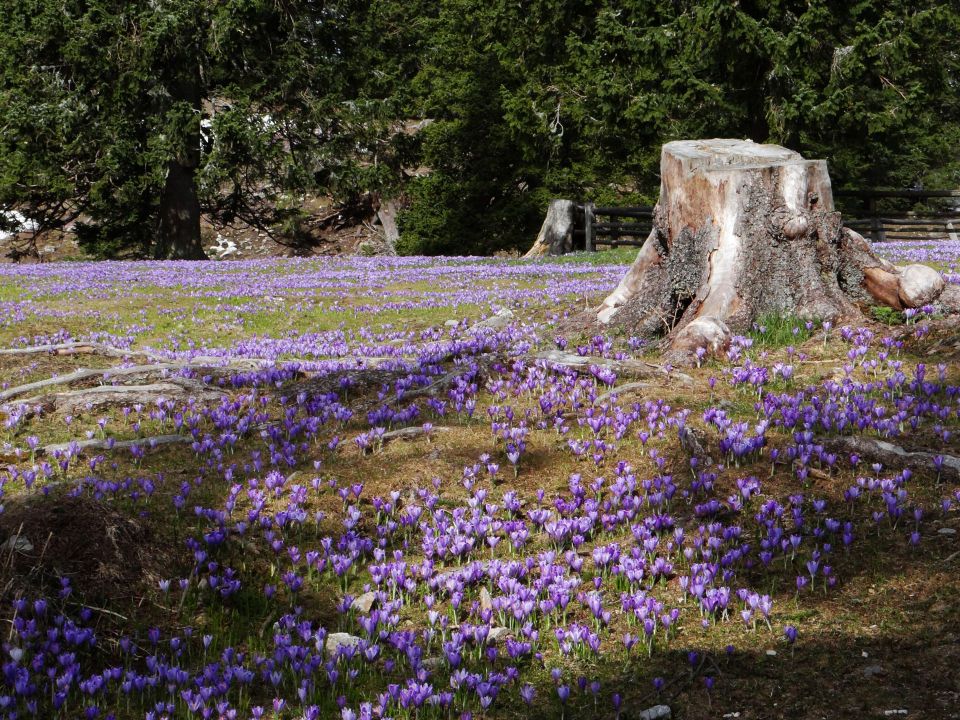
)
(887, 315)
(609, 256)
(778, 331)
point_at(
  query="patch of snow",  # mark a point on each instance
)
(224, 248)
(20, 222)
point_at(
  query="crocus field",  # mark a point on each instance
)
(354, 488)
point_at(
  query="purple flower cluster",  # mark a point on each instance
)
(449, 596)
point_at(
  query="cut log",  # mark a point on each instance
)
(556, 233)
(744, 230)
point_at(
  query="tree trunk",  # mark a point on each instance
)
(387, 214)
(741, 231)
(178, 236)
(556, 233)
(179, 233)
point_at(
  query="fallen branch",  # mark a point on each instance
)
(431, 389)
(118, 372)
(82, 446)
(81, 348)
(104, 395)
(890, 455)
(620, 390)
(409, 433)
(628, 368)
(692, 441)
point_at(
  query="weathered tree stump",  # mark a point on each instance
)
(742, 231)
(556, 233)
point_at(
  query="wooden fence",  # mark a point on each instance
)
(891, 215)
(879, 215)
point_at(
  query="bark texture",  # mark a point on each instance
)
(556, 233)
(744, 230)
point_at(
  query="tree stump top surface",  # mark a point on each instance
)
(726, 154)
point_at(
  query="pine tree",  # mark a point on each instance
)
(133, 118)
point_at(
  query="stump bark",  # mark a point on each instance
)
(556, 233)
(742, 231)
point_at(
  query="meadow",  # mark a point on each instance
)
(359, 488)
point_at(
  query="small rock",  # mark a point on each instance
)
(486, 602)
(497, 633)
(946, 531)
(950, 298)
(451, 323)
(890, 713)
(772, 653)
(919, 285)
(657, 712)
(364, 603)
(337, 640)
(18, 543)
(501, 319)
(873, 671)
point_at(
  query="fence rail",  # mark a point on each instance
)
(873, 218)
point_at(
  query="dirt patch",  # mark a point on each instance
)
(106, 554)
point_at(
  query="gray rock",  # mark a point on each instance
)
(502, 318)
(486, 602)
(874, 671)
(497, 633)
(657, 712)
(364, 603)
(337, 640)
(919, 285)
(18, 543)
(451, 323)
(946, 531)
(950, 298)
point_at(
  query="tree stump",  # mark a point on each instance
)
(742, 231)
(556, 233)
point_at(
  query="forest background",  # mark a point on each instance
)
(131, 121)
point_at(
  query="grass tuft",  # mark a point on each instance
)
(777, 331)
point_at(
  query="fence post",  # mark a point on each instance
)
(588, 226)
(951, 232)
(876, 227)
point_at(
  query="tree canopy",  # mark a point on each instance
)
(135, 118)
